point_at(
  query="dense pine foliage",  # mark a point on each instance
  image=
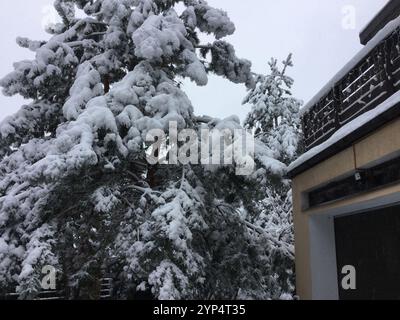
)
(77, 193)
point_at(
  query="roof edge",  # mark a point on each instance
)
(389, 12)
(368, 127)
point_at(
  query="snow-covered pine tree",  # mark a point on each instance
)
(275, 121)
(76, 191)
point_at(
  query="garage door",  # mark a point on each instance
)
(371, 243)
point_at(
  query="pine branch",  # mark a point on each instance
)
(260, 231)
(133, 175)
(144, 190)
(59, 8)
(206, 47)
(204, 119)
(183, 178)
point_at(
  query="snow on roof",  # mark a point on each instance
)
(380, 36)
(347, 130)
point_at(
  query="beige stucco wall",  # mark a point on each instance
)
(381, 145)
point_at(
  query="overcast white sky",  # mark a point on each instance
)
(311, 29)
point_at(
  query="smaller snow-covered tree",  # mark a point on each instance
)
(275, 121)
(275, 112)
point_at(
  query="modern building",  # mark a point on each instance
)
(346, 187)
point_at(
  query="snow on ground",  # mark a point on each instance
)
(347, 130)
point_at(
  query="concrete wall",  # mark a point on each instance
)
(376, 148)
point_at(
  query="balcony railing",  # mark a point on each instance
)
(105, 292)
(369, 83)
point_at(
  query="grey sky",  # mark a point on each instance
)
(311, 29)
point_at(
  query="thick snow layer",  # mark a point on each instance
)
(347, 129)
(211, 20)
(381, 35)
(160, 36)
(86, 86)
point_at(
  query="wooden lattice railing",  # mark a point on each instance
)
(104, 294)
(374, 79)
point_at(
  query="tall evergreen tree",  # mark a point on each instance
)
(76, 191)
